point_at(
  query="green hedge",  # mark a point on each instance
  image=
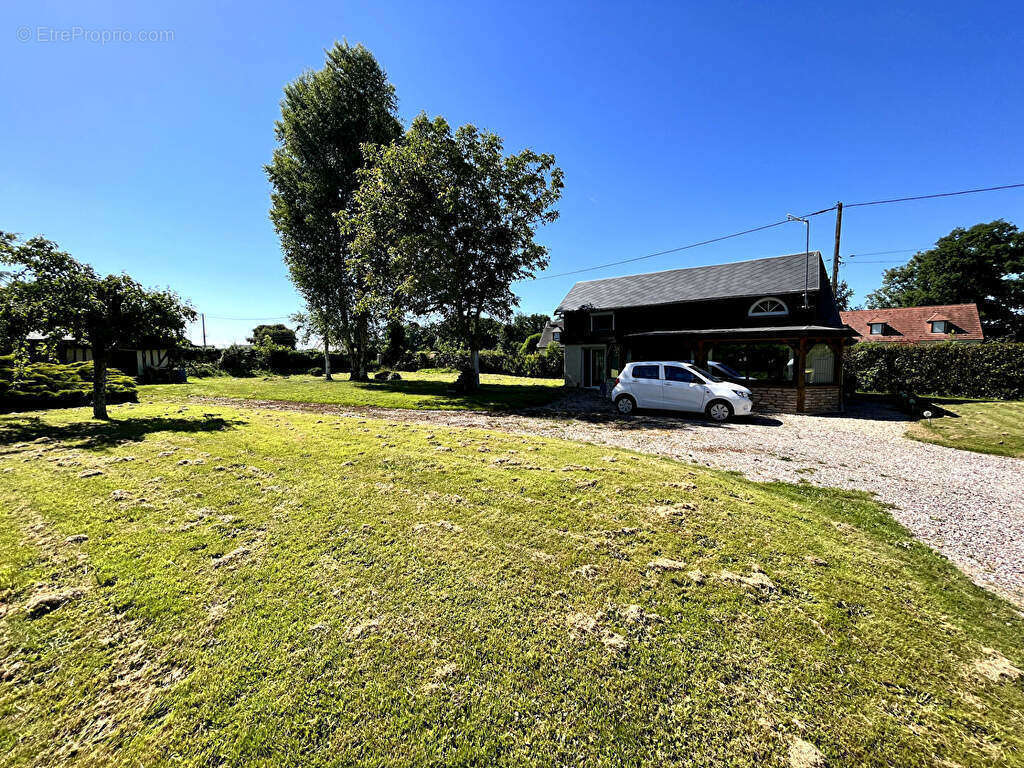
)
(953, 369)
(52, 385)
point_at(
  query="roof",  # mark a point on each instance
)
(758, 277)
(547, 335)
(910, 324)
(751, 332)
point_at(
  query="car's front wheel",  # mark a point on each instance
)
(719, 410)
(625, 404)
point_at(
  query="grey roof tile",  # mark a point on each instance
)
(758, 277)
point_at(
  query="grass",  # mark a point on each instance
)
(289, 589)
(420, 389)
(975, 425)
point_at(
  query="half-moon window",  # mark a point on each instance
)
(769, 307)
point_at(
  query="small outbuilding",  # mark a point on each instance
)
(773, 322)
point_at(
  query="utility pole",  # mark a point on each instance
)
(835, 253)
(203, 315)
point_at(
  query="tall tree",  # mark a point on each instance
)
(983, 265)
(844, 296)
(445, 223)
(49, 291)
(278, 333)
(326, 116)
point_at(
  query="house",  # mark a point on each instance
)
(552, 334)
(917, 325)
(774, 321)
(133, 362)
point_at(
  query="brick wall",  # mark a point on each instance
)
(820, 399)
(781, 399)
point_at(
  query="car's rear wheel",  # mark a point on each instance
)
(625, 404)
(719, 410)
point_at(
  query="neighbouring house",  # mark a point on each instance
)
(133, 362)
(552, 334)
(773, 321)
(917, 325)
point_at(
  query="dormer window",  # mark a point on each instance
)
(556, 336)
(602, 322)
(877, 329)
(940, 326)
(768, 307)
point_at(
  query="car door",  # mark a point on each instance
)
(646, 385)
(682, 390)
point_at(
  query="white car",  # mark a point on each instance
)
(678, 387)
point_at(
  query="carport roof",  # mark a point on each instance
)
(778, 330)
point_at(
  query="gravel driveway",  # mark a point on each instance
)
(968, 506)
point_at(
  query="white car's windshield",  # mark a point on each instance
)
(731, 372)
(706, 374)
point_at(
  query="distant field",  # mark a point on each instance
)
(204, 585)
(417, 390)
(983, 426)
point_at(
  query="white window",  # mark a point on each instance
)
(556, 336)
(939, 326)
(602, 322)
(877, 329)
(768, 307)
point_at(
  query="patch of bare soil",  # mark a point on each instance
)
(995, 667)
(803, 754)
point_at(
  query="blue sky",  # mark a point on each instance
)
(674, 122)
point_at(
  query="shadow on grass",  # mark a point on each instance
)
(505, 396)
(103, 434)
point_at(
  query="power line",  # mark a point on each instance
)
(682, 247)
(248, 319)
(883, 253)
(929, 197)
(779, 223)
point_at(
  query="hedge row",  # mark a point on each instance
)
(52, 385)
(954, 369)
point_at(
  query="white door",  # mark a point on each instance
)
(646, 385)
(682, 391)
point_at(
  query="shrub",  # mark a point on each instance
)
(451, 357)
(238, 360)
(199, 370)
(989, 370)
(53, 385)
(530, 345)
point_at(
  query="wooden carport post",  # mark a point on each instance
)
(702, 355)
(837, 350)
(801, 376)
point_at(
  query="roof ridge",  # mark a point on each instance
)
(702, 266)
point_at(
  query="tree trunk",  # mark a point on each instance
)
(469, 377)
(357, 350)
(99, 383)
(327, 358)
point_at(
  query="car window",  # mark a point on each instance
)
(674, 373)
(645, 372)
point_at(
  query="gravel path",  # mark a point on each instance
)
(968, 506)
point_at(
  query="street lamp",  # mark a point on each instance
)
(807, 252)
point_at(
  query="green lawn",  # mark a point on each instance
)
(290, 589)
(976, 425)
(420, 389)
